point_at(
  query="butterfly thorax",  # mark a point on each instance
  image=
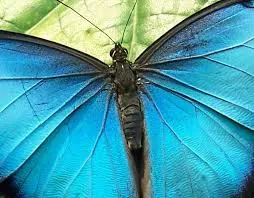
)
(124, 79)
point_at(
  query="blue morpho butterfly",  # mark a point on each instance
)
(176, 123)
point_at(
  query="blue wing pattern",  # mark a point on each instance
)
(50, 145)
(83, 157)
(199, 82)
(194, 151)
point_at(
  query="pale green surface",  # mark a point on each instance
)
(47, 19)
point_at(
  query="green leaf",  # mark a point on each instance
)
(53, 21)
(20, 16)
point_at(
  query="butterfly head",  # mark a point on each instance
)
(119, 53)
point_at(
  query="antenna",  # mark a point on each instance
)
(128, 21)
(87, 20)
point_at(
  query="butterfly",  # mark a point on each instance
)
(178, 122)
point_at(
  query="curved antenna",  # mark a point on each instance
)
(128, 21)
(87, 20)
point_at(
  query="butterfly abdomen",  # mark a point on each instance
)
(129, 104)
(131, 117)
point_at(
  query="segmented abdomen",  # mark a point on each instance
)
(132, 125)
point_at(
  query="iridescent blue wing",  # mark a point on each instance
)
(194, 151)
(198, 100)
(59, 127)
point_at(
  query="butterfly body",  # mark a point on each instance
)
(61, 130)
(125, 81)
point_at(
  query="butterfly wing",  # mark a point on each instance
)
(193, 150)
(199, 103)
(60, 133)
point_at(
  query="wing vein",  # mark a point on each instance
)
(248, 46)
(29, 102)
(227, 65)
(53, 77)
(148, 94)
(94, 147)
(59, 158)
(217, 144)
(19, 96)
(223, 128)
(196, 56)
(47, 119)
(195, 88)
(221, 21)
(113, 167)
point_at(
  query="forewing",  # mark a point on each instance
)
(211, 61)
(199, 103)
(50, 138)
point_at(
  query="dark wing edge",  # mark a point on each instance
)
(36, 40)
(146, 55)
